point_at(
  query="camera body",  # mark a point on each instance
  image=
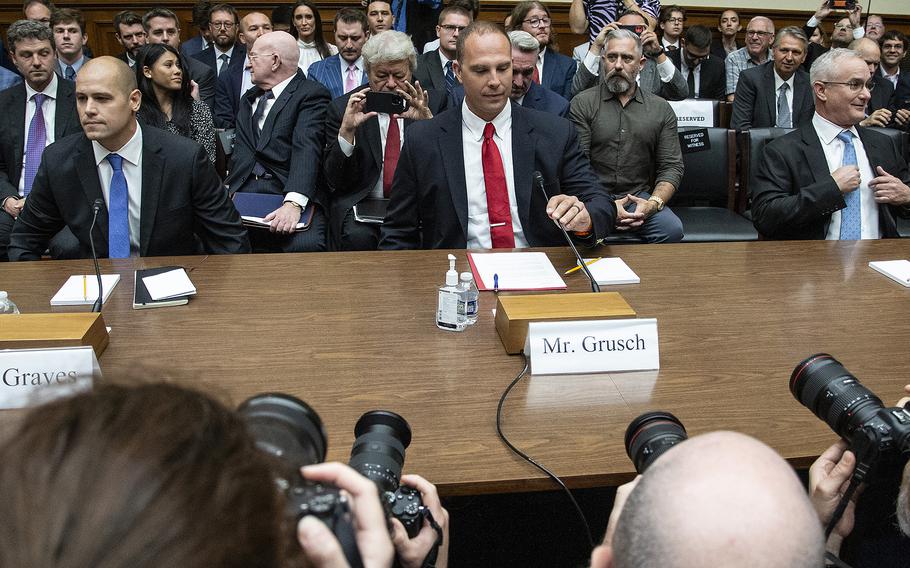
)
(847, 5)
(650, 435)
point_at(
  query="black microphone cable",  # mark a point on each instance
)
(96, 207)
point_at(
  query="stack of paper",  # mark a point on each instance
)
(515, 271)
(82, 290)
(897, 270)
(611, 271)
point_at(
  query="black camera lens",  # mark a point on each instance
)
(650, 435)
(378, 451)
(285, 427)
(831, 392)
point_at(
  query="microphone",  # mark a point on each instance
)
(96, 208)
(595, 287)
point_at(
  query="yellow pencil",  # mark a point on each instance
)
(589, 263)
(84, 287)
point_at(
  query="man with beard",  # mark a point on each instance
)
(224, 54)
(344, 72)
(130, 34)
(625, 157)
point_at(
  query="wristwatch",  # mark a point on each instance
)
(655, 53)
(657, 201)
(295, 204)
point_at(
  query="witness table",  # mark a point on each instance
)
(352, 332)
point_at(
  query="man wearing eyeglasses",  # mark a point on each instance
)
(778, 92)
(434, 68)
(705, 74)
(847, 29)
(224, 54)
(759, 34)
(672, 19)
(830, 179)
(878, 110)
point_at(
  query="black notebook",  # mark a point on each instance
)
(253, 207)
(141, 297)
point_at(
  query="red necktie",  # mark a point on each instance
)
(536, 76)
(494, 180)
(390, 158)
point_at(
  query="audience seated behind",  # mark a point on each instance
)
(203, 39)
(236, 81)
(379, 14)
(225, 54)
(68, 26)
(162, 26)
(416, 18)
(671, 22)
(313, 47)
(759, 34)
(845, 30)
(728, 26)
(343, 72)
(130, 35)
(705, 74)
(879, 110)
(555, 71)
(434, 67)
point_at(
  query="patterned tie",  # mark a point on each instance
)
(450, 78)
(690, 79)
(350, 82)
(850, 217)
(494, 180)
(225, 59)
(783, 110)
(37, 140)
(118, 218)
(536, 76)
(260, 111)
(69, 73)
(390, 157)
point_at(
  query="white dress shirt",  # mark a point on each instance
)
(246, 82)
(358, 72)
(894, 77)
(50, 114)
(298, 198)
(472, 128)
(834, 153)
(788, 95)
(348, 149)
(218, 61)
(540, 62)
(309, 55)
(131, 152)
(668, 44)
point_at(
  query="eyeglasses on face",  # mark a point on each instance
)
(758, 33)
(451, 28)
(855, 85)
(222, 25)
(675, 20)
(537, 22)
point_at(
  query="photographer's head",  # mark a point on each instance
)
(154, 475)
(715, 500)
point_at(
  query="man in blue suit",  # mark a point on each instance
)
(224, 53)
(237, 80)
(343, 72)
(464, 179)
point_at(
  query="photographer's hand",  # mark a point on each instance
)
(370, 529)
(829, 477)
(413, 551)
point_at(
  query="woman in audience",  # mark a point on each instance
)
(167, 102)
(819, 36)
(308, 31)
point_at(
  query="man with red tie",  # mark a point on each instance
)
(466, 178)
(363, 147)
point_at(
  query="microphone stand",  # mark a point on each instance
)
(96, 207)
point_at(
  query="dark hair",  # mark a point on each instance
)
(27, 29)
(150, 112)
(321, 45)
(520, 12)
(479, 27)
(455, 9)
(28, 3)
(66, 16)
(159, 13)
(201, 11)
(223, 8)
(139, 477)
(667, 11)
(283, 14)
(352, 16)
(894, 35)
(126, 18)
(721, 15)
(698, 36)
(473, 6)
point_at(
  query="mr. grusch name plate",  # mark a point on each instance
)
(593, 346)
(31, 377)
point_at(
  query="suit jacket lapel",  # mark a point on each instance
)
(815, 155)
(772, 97)
(91, 187)
(16, 118)
(522, 163)
(800, 92)
(451, 148)
(153, 165)
(436, 71)
(279, 104)
(64, 112)
(374, 140)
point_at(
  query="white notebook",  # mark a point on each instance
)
(76, 293)
(612, 271)
(897, 270)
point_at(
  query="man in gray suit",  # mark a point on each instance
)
(658, 75)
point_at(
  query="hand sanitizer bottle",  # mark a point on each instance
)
(450, 308)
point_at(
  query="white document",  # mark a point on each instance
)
(897, 270)
(611, 271)
(693, 112)
(515, 271)
(169, 284)
(82, 290)
(593, 346)
(34, 376)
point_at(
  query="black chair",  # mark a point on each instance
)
(706, 199)
(751, 143)
(901, 139)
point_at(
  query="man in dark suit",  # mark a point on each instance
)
(776, 93)
(162, 26)
(705, 74)
(359, 163)
(830, 179)
(416, 18)
(237, 80)
(130, 34)
(464, 179)
(278, 147)
(434, 68)
(343, 72)
(24, 132)
(68, 26)
(224, 54)
(203, 39)
(155, 192)
(525, 91)
(879, 110)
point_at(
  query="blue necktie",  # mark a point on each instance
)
(69, 73)
(450, 77)
(118, 217)
(850, 219)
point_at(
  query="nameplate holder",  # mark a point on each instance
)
(593, 346)
(32, 377)
(33, 331)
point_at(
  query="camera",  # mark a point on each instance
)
(847, 5)
(378, 454)
(289, 431)
(824, 386)
(650, 435)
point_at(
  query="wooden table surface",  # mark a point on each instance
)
(352, 332)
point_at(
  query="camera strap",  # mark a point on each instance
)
(430, 560)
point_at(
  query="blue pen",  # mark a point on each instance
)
(495, 283)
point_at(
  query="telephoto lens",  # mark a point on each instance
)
(650, 435)
(378, 452)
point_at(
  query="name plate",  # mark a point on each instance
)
(31, 377)
(593, 346)
(693, 112)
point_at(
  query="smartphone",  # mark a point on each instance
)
(388, 103)
(847, 5)
(636, 29)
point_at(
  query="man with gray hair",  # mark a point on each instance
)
(629, 134)
(278, 146)
(759, 33)
(363, 147)
(525, 91)
(721, 499)
(776, 93)
(40, 111)
(830, 179)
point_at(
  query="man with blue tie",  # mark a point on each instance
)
(130, 191)
(434, 68)
(238, 80)
(344, 72)
(830, 179)
(68, 26)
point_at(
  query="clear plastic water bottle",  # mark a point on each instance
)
(6, 305)
(469, 295)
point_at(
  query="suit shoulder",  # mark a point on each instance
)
(562, 60)
(171, 145)
(7, 95)
(788, 141)
(62, 148)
